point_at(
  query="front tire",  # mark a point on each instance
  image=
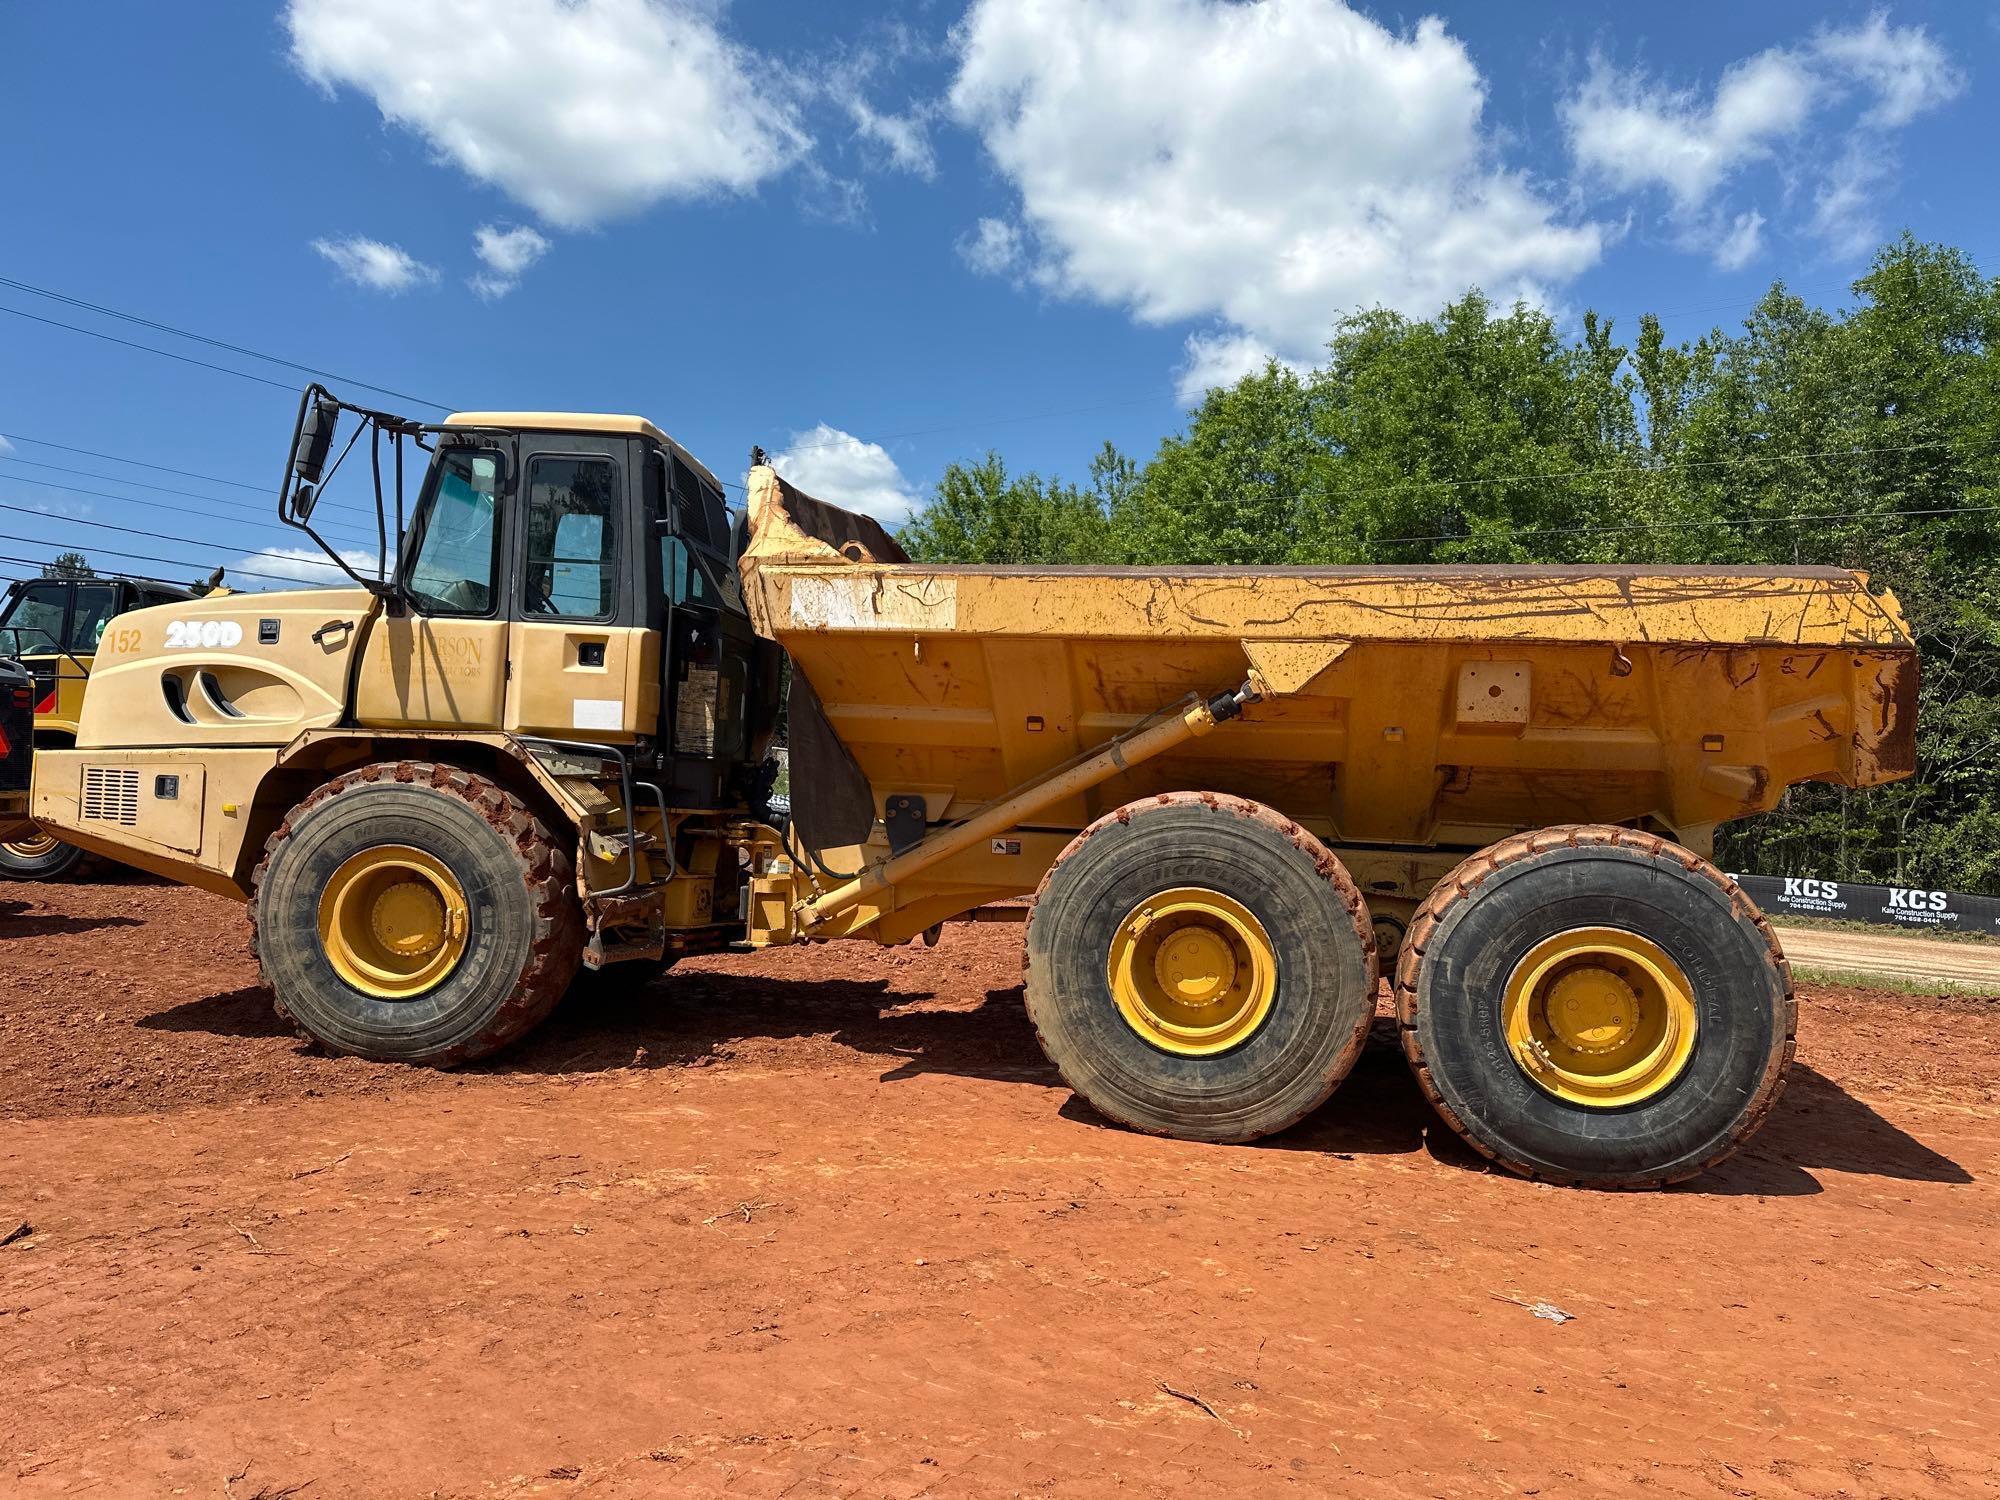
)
(42, 857)
(415, 913)
(1596, 1006)
(1201, 967)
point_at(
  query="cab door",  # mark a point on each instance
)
(710, 643)
(583, 665)
(441, 662)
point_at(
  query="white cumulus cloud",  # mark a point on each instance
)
(1632, 132)
(1215, 359)
(379, 267)
(1822, 109)
(303, 564)
(1902, 66)
(1267, 165)
(582, 110)
(837, 466)
(506, 254)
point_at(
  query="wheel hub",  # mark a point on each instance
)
(408, 918)
(1600, 1017)
(1593, 1010)
(1192, 971)
(1195, 966)
(392, 921)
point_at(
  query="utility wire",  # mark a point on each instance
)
(272, 524)
(27, 510)
(148, 348)
(172, 562)
(268, 516)
(138, 463)
(202, 338)
(1640, 470)
(1793, 519)
(30, 562)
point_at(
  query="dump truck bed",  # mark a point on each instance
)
(1403, 706)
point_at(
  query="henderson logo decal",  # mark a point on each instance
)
(1886, 905)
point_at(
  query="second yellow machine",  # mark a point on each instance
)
(539, 735)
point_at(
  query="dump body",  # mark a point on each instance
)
(1403, 709)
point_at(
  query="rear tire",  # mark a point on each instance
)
(501, 888)
(1199, 966)
(1488, 929)
(39, 858)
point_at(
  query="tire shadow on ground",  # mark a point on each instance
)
(700, 1018)
(19, 918)
(245, 1012)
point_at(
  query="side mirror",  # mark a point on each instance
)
(316, 424)
(304, 498)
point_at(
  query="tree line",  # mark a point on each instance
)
(1866, 437)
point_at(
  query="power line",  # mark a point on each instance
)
(202, 338)
(172, 562)
(34, 562)
(148, 348)
(847, 439)
(1793, 519)
(164, 489)
(271, 524)
(27, 510)
(138, 463)
(1672, 467)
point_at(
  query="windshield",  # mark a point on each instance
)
(456, 558)
(34, 621)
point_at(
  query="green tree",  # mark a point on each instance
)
(980, 513)
(69, 565)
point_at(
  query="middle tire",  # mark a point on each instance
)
(1199, 966)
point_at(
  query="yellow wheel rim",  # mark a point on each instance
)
(1600, 1017)
(1192, 971)
(392, 921)
(38, 847)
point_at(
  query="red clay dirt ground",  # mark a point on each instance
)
(821, 1222)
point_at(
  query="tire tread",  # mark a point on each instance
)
(1464, 883)
(545, 867)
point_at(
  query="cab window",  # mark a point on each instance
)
(96, 603)
(685, 583)
(572, 521)
(456, 564)
(34, 622)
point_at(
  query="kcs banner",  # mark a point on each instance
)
(1886, 905)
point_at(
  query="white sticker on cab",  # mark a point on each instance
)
(597, 713)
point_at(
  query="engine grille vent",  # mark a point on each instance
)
(110, 795)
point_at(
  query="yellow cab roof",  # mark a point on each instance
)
(581, 421)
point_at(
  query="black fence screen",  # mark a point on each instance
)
(1885, 905)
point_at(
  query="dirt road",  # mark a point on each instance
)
(821, 1223)
(1890, 954)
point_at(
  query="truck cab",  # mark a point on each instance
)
(52, 627)
(554, 610)
(592, 554)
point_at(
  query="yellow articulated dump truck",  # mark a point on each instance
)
(540, 740)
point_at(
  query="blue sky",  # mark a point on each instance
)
(878, 237)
